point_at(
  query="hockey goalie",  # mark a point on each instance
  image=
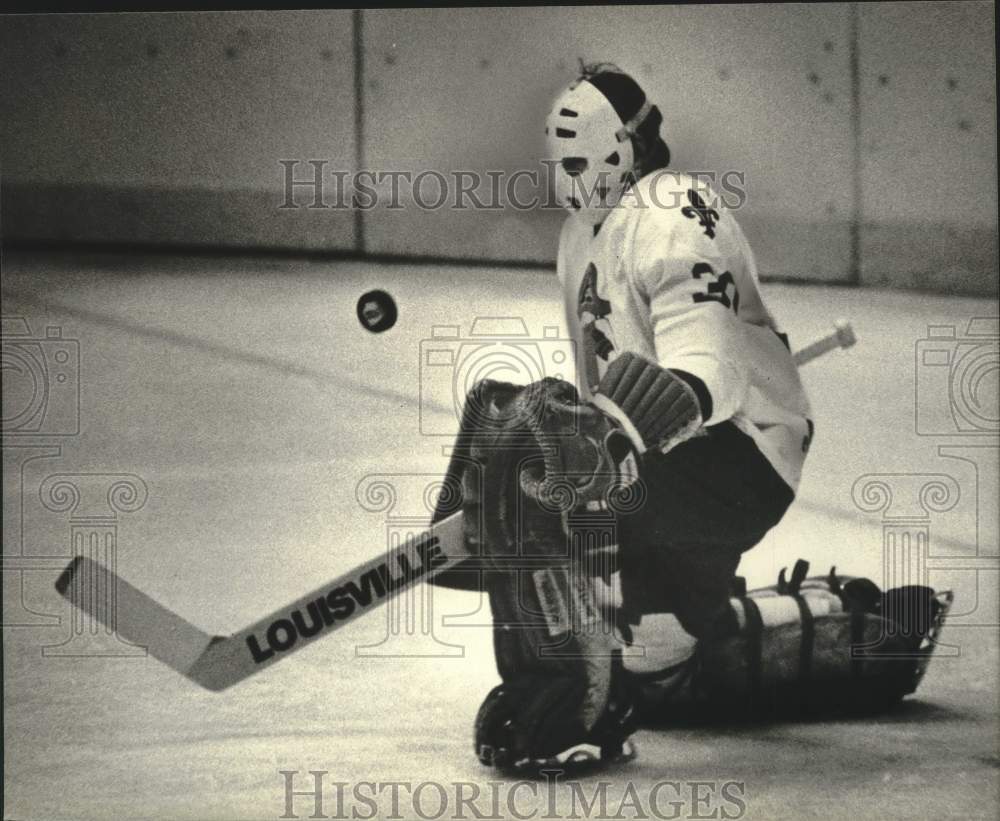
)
(636, 492)
(606, 520)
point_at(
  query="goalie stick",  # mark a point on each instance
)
(842, 337)
(218, 662)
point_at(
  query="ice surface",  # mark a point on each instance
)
(250, 402)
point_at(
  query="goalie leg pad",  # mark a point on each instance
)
(563, 700)
(530, 723)
(815, 645)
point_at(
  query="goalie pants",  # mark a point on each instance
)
(708, 500)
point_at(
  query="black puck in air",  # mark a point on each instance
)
(377, 311)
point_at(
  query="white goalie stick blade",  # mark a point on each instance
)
(218, 662)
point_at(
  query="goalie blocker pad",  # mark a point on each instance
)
(807, 646)
(660, 409)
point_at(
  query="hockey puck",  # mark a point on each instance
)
(377, 311)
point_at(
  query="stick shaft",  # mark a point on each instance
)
(815, 349)
(218, 662)
(842, 337)
(334, 604)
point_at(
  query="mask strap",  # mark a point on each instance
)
(630, 127)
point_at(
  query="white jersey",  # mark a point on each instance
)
(671, 277)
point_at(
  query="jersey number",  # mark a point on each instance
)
(722, 290)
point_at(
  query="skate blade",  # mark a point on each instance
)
(577, 759)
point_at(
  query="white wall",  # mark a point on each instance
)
(471, 88)
(928, 153)
(168, 128)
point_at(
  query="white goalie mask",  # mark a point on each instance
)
(591, 150)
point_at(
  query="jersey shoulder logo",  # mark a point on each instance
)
(698, 208)
(590, 308)
(588, 301)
